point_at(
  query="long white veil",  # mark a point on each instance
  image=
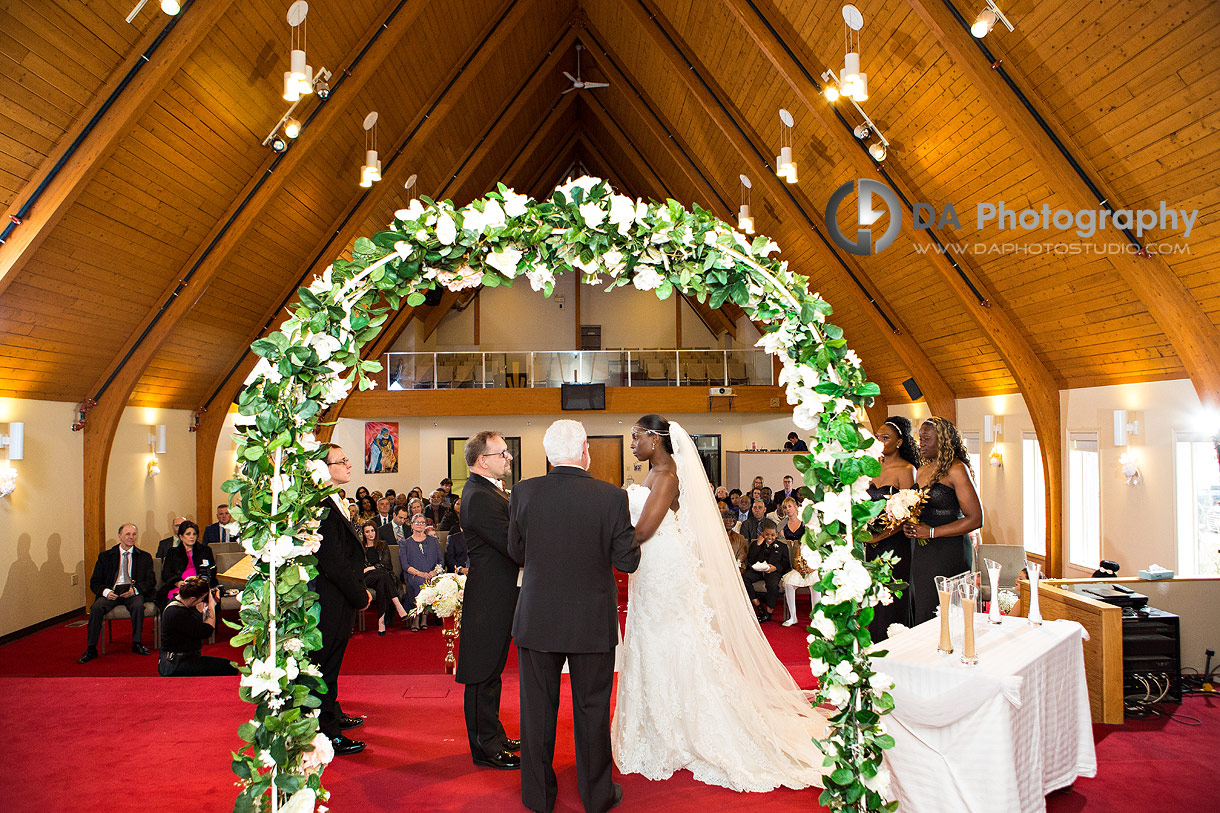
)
(787, 712)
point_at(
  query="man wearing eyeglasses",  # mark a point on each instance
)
(489, 603)
(341, 594)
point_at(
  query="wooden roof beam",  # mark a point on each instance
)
(1038, 387)
(1178, 314)
(940, 397)
(79, 168)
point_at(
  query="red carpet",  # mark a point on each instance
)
(162, 744)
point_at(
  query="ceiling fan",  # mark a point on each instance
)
(577, 82)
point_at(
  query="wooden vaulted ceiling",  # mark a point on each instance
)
(171, 238)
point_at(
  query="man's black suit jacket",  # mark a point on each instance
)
(340, 580)
(491, 586)
(570, 531)
(386, 532)
(211, 535)
(106, 570)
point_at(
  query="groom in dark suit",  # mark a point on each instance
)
(569, 531)
(489, 601)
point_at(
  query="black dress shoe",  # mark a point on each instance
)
(504, 761)
(347, 721)
(512, 745)
(89, 655)
(140, 649)
(618, 794)
(764, 617)
(344, 746)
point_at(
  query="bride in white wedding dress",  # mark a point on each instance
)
(700, 687)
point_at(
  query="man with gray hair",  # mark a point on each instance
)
(570, 531)
(123, 576)
(489, 601)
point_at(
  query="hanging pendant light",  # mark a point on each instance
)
(852, 83)
(745, 222)
(785, 167)
(298, 79)
(370, 171)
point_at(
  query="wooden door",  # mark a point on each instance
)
(606, 454)
(606, 459)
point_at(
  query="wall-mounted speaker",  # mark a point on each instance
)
(912, 389)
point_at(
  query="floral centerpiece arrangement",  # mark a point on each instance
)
(316, 357)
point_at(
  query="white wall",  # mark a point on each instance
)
(41, 533)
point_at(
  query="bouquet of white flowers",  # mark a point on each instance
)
(441, 595)
(902, 506)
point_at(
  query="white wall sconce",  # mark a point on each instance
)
(156, 445)
(1131, 468)
(1124, 428)
(992, 428)
(14, 440)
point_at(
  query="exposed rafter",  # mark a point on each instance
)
(66, 182)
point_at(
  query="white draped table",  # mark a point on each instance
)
(998, 736)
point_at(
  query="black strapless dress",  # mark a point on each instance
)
(898, 612)
(942, 556)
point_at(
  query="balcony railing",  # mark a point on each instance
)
(614, 368)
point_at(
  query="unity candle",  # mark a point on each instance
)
(945, 591)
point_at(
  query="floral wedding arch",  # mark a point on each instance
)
(313, 360)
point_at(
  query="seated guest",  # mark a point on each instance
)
(391, 494)
(416, 493)
(188, 621)
(436, 509)
(743, 507)
(379, 575)
(801, 575)
(447, 490)
(191, 558)
(361, 492)
(789, 492)
(751, 526)
(772, 555)
(421, 559)
(767, 498)
(758, 483)
(415, 508)
(122, 575)
(721, 494)
(383, 512)
(353, 511)
(400, 499)
(741, 545)
(398, 529)
(218, 531)
(367, 509)
(453, 520)
(457, 555)
(170, 541)
(795, 443)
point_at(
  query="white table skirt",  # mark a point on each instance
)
(998, 736)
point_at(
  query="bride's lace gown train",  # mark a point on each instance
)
(689, 695)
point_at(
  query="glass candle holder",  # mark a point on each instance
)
(944, 590)
(993, 579)
(970, 593)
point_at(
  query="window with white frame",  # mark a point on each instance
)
(1084, 500)
(1033, 493)
(971, 440)
(1197, 505)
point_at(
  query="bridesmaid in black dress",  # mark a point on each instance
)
(899, 460)
(951, 512)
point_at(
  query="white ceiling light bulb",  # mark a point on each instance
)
(983, 23)
(171, 7)
(832, 93)
(292, 128)
(292, 91)
(877, 151)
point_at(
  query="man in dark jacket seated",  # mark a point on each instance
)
(124, 576)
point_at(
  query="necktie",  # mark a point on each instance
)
(398, 532)
(125, 571)
(224, 534)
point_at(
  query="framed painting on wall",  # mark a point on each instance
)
(380, 447)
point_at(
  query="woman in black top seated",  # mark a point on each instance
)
(951, 512)
(191, 558)
(183, 631)
(453, 520)
(899, 460)
(379, 574)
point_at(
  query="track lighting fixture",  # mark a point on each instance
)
(278, 144)
(292, 127)
(877, 151)
(170, 7)
(861, 132)
(987, 19)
